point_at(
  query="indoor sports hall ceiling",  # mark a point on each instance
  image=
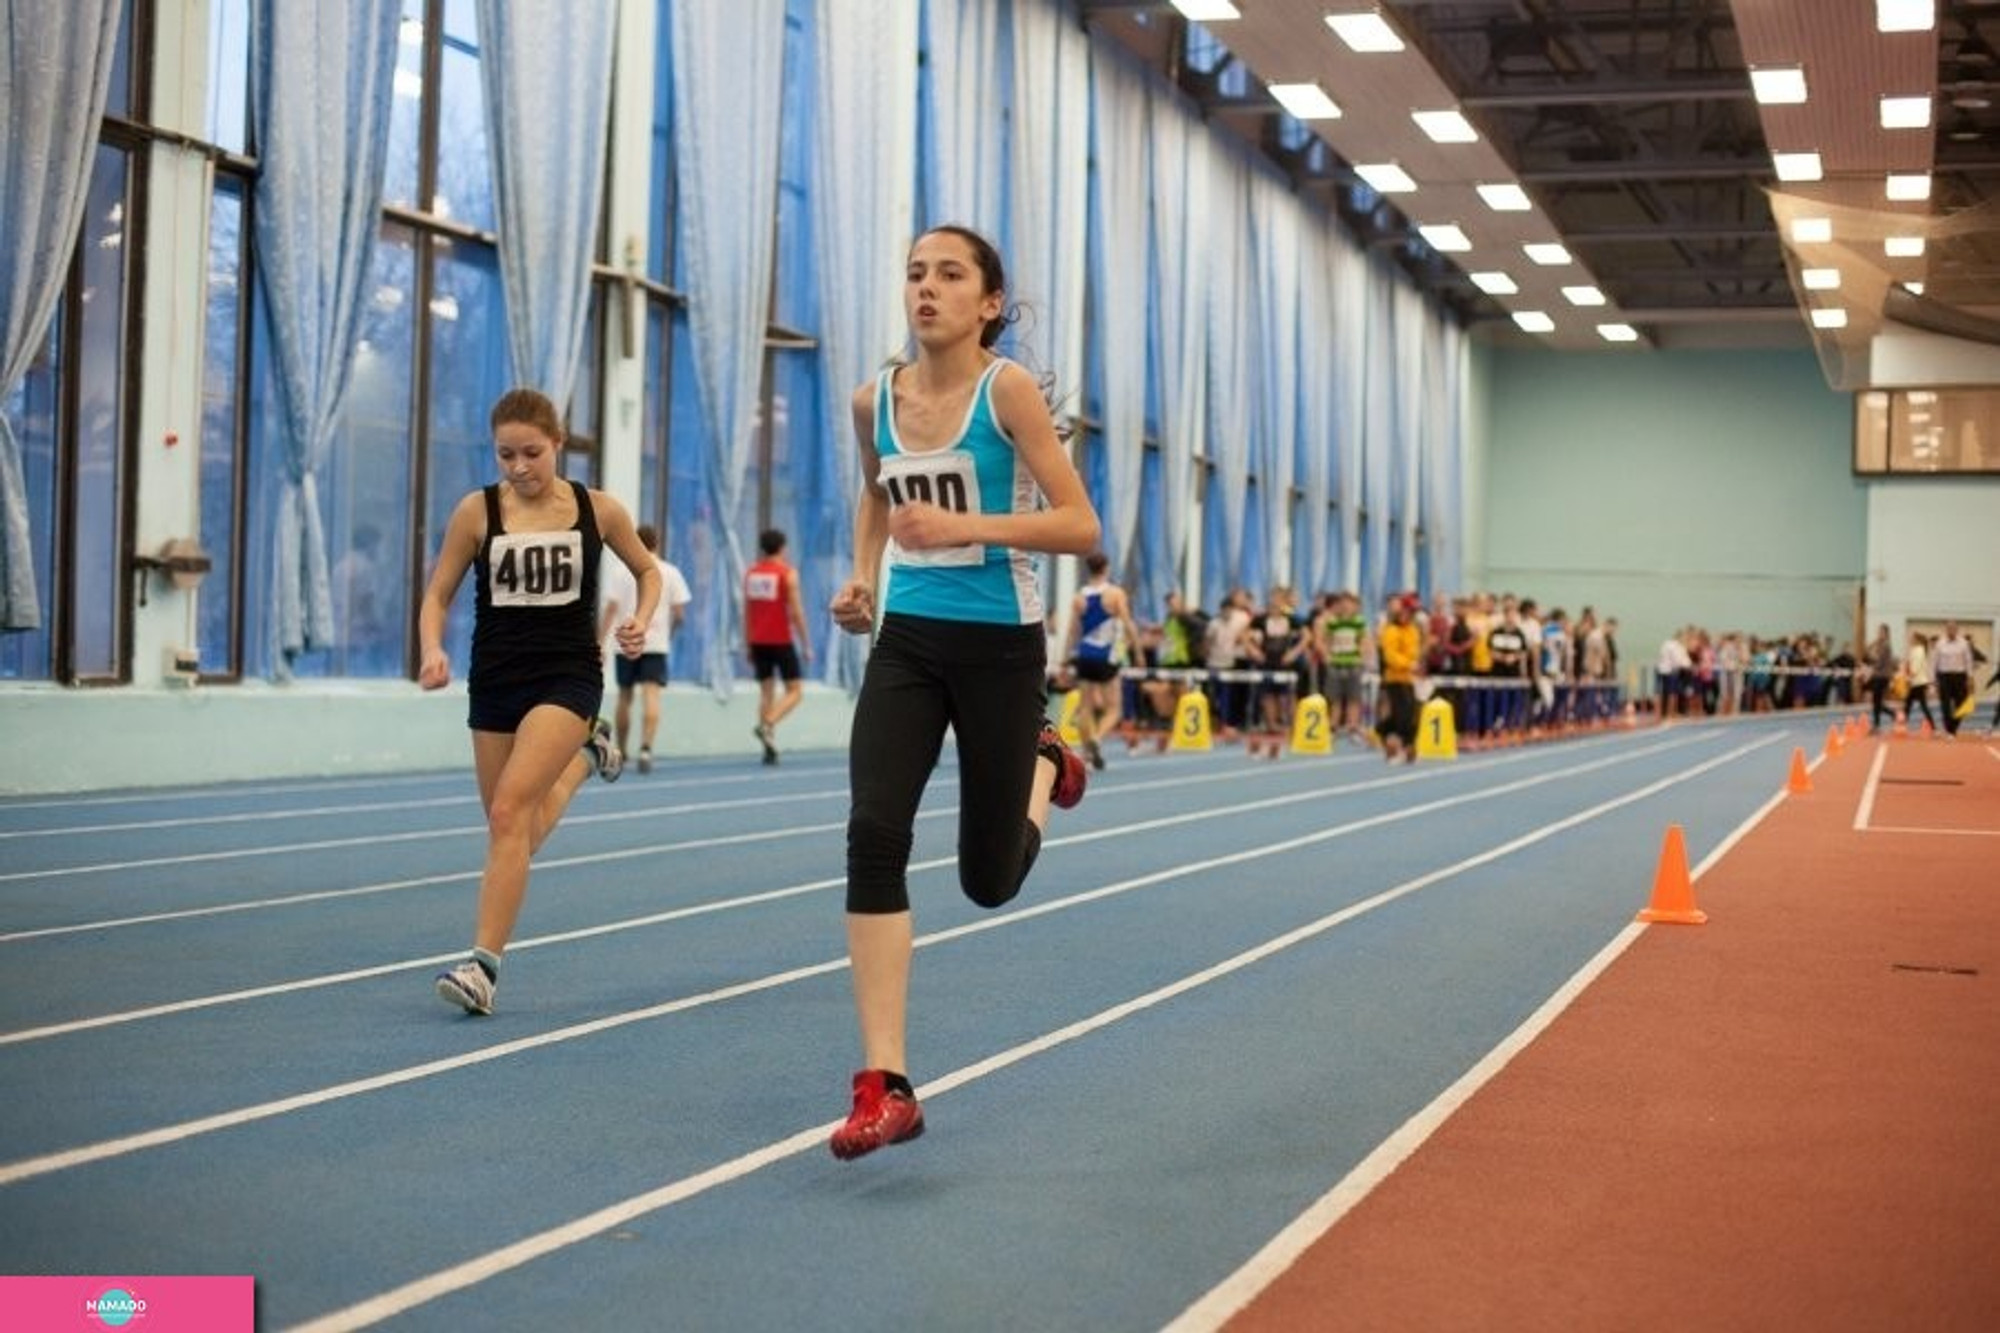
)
(1632, 128)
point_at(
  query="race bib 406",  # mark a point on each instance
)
(537, 568)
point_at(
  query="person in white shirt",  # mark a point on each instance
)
(1917, 671)
(647, 673)
(1951, 664)
(1676, 672)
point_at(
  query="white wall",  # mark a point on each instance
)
(1934, 552)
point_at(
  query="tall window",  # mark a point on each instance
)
(431, 359)
(73, 413)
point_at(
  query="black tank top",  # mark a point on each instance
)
(537, 608)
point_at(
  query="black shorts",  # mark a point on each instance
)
(775, 659)
(501, 707)
(1094, 669)
(645, 669)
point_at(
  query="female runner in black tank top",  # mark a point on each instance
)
(536, 678)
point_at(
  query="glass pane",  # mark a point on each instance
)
(228, 118)
(1871, 432)
(464, 173)
(118, 100)
(399, 177)
(97, 551)
(32, 414)
(1944, 430)
(469, 360)
(221, 413)
(369, 485)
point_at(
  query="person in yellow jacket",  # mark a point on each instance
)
(1399, 647)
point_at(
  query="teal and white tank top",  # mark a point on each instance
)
(977, 473)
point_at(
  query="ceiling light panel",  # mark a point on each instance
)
(1306, 101)
(1585, 295)
(1797, 166)
(1820, 279)
(1547, 253)
(1386, 178)
(1829, 319)
(1778, 85)
(1534, 321)
(1445, 237)
(1495, 283)
(1208, 11)
(1445, 126)
(1506, 198)
(1366, 33)
(1908, 187)
(1903, 247)
(1906, 113)
(1618, 333)
(1905, 15)
(1812, 231)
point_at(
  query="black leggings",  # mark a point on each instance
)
(986, 682)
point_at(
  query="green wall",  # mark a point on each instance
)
(1669, 488)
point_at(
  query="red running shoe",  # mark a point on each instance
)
(1071, 775)
(880, 1118)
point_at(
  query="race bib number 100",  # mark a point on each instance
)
(537, 568)
(948, 480)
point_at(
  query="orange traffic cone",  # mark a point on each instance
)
(1801, 780)
(1833, 742)
(1673, 891)
(1924, 730)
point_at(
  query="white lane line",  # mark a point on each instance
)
(647, 787)
(72, 1157)
(1129, 829)
(1867, 805)
(401, 1300)
(418, 835)
(1937, 832)
(241, 817)
(655, 849)
(1229, 1297)
(454, 778)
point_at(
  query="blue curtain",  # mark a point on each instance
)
(728, 57)
(966, 56)
(1378, 426)
(1353, 281)
(1049, 189)
(320, 99)
(1180, 254)
(1276, 221)
(55, 73)
(1230, 414)
(1120, 267)
(1319, 440)
(862, 203)
(547, 113)
(1406, 432)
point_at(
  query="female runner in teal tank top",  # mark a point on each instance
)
(963, 477)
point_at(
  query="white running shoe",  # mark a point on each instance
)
(468, 987)
(604, 751)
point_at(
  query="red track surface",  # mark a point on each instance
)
(1785, 1119)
